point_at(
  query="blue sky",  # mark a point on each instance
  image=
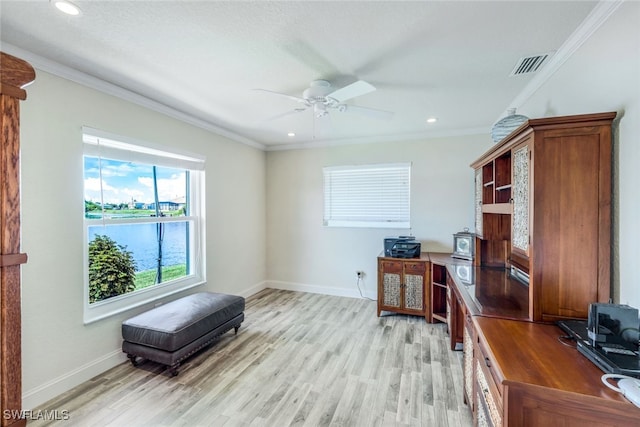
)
(123, 182)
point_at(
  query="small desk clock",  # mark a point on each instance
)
(463, 245)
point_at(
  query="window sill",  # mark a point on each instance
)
(104, 309)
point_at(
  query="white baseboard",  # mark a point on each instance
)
(254, 289)
(35, 397)
(315, 289)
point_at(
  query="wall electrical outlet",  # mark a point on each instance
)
(360, 274)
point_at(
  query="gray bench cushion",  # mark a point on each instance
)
(173, 325)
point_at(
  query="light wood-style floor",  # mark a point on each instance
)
(299, 359)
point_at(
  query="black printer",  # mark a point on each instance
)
(401, 247)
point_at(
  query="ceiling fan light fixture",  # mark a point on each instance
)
(67, 7)
(320, 110)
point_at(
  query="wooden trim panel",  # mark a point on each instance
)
(14, 75)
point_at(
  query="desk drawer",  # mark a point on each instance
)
(412, 267)
(391, 266)
(488, 366)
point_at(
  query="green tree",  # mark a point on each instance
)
(111, 269)
(90, 206)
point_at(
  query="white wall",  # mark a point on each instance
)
(604, 75)
(59, 351)
(303, 254)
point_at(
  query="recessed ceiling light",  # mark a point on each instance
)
(432, 120)
(291, 134)
(66, 7)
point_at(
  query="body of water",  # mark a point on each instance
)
(142, 241)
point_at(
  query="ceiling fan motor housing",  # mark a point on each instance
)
(317, 93)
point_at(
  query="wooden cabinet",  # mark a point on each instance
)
(524, 376)
(438, 292)
(468, 361)
(403, 285)
(546, 209)
(496, 183)
(456, 312)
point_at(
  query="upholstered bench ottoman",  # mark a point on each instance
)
(170, 333)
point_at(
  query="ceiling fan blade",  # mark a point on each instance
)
(284, 95)
(351, 91)
(311, 58)
(285, 114)
(369, 112)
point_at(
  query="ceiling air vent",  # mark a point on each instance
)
(529, 64)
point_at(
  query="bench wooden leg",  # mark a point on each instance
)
(133, 359)
(173, 370)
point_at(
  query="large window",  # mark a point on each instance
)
(367, 195)
(144, 231)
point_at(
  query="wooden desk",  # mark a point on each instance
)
(538, 381)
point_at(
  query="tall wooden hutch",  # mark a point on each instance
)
(543, 207)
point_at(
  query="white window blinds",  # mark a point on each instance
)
(367, 195)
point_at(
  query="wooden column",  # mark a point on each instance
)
(14, 75)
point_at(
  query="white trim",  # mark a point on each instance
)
(422, 136)
(92, 82)
(59, 385)
(93, 312)
(316, 289)
(600, 13)
(47, 391)
(102, 143)
(598, 16)
(254, 289)
(104, 309)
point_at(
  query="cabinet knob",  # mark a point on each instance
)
(487, 362)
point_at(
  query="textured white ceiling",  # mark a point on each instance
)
(448, 59)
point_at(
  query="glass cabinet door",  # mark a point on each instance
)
(414, 292)
(478, 203)
(520, 217)
(391, 288)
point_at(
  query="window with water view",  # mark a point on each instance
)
(142, 225)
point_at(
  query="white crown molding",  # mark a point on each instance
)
(422, 136)
(92, 82)
(600, 13)
(598, 16)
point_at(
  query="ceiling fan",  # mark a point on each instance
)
(322, 97)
